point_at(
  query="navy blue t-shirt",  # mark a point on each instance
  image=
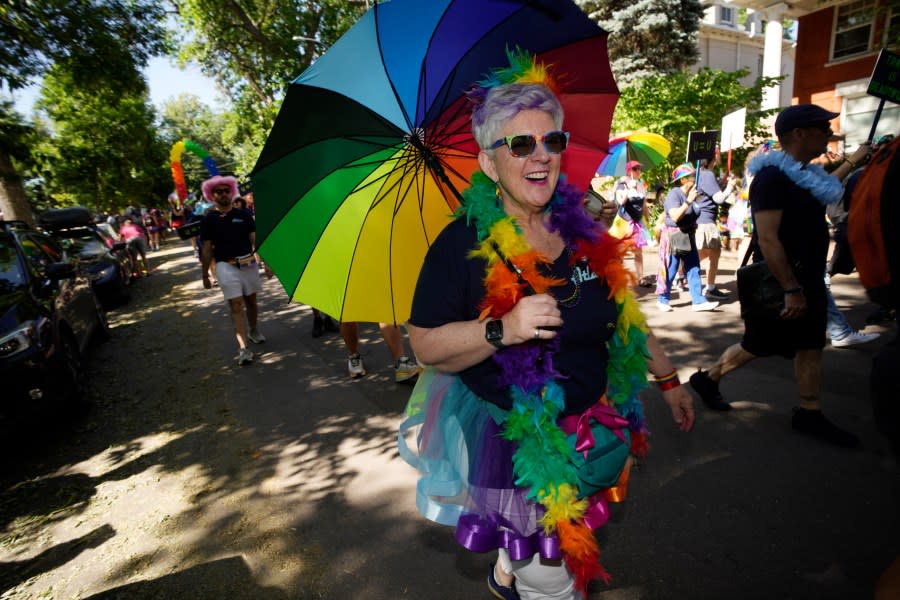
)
(675, 199)
(802, 232)
(707, 187)
(229, 233)
(450, 287)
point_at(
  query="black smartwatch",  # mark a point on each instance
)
(493, 333)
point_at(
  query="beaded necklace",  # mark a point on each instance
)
(542, 462)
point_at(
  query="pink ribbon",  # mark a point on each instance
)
(581, 425)
(597, 512)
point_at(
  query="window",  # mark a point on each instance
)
(892, 28)
(859, 113)
(726, 15)
(852, 29)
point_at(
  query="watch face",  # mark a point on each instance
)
(494, 330)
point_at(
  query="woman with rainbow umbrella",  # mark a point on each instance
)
(537, 351)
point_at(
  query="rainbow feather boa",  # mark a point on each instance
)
(542, 462)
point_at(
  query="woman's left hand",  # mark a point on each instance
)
(682, 406)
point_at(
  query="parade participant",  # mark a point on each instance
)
(631, 195)
(229, 237)
(524, 315)
(787, 202)
(709, 244)
(405, 368)
(133, 235)
(677, 245)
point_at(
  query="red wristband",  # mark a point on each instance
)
(669, 384)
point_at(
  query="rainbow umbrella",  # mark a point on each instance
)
(650, 149)
(362, 168)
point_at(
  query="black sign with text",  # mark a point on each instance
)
(885, 81)
(701, 144)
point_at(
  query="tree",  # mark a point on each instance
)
(249, 48)
(85, 36)
(648, 37)
(673, 105)
(104, 152)
(15, 140)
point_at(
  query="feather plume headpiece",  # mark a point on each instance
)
(523, 68)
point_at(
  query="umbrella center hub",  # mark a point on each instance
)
(416, 138)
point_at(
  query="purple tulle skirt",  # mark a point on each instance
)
(466, 470)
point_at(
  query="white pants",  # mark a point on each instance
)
(538, 579)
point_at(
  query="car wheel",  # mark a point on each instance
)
(74, 381)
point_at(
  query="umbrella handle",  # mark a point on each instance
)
(527, 289)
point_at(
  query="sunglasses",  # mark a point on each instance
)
(523, 145)
(222, 191)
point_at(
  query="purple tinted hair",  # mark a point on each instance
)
(493, 110)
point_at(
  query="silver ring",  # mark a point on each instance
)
(537, 333)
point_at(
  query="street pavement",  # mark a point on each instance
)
(740, 507)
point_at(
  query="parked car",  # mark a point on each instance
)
(48, 315)
(105, 259)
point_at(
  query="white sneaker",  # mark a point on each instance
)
(704, 307)
(245, 357)
(663, 307)
(406, 369)
(355, 366)
(255, 336)
(854, 339)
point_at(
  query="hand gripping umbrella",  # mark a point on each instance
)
(361, 170)
(649, 149)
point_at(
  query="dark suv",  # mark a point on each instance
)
(48, 315)
(105, 260)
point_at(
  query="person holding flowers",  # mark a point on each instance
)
(536, 351)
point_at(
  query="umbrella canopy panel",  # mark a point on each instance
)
(354, 182)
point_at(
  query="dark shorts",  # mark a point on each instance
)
(783, 337)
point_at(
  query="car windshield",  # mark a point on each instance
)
(11, 274)
(83, 243)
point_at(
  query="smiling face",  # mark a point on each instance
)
(526, 184)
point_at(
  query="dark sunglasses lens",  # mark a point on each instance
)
(522, 145)
(555, 142)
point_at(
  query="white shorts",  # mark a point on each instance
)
(236, 282)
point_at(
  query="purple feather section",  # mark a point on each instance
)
(528, 366)
(569, 218)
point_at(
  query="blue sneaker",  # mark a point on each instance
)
(501, 591)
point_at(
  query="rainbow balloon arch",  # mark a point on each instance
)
(175, 154)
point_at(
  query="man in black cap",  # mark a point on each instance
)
(788, 198)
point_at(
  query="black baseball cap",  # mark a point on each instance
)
(802, 115)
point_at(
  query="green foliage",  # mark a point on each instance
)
(15, 133)
(104, 152)
(249, 49)
(648, 37)
(673, 105)
(83, 35)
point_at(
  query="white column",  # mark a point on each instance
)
(772, 52)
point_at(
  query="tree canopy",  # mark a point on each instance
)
(253, 49)
(648, 37)
(674, 105)
(104, 152)
(83, 33)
